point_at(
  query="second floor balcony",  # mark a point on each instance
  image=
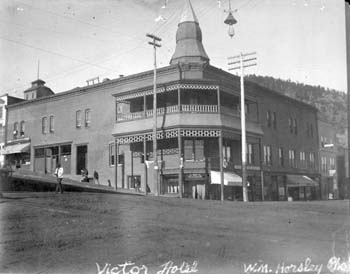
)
(167, 110)
(186, 99)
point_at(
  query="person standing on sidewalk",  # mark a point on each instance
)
(59, 175)
(96, 177)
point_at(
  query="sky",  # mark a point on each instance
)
(72, 41)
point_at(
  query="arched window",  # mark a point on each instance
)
(44, 125)
(15, 130)
(22, 129)
(78, 119)
(52, 123)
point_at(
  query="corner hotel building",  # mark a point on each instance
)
(108, 126)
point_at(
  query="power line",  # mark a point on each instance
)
(79, 21)
(50, 31)
(160, 28)
(54, 53)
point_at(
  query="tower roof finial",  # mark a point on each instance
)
(188, 14)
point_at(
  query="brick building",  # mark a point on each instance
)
(108, 127)
(289, 147)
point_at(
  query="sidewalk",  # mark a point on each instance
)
(68, 183)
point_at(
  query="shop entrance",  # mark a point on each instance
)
(170, 184)
(81, 158)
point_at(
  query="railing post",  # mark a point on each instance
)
(218, 97)
(144, 106)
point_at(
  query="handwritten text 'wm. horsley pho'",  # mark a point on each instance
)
(131, 268)
(283, 268)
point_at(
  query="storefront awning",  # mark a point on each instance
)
(300, 180)
(230, 178)
(17, 148)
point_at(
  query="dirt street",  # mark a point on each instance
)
(94, 233)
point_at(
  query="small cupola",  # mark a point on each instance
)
(37, 90)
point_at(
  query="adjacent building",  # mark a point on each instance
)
(5, 100)
(328, 160)
(289, 147)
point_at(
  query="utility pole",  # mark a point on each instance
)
(347, 33)
(243, 63)
(154, 43)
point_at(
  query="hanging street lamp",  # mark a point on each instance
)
(230, 21)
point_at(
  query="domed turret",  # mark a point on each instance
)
(189, 47)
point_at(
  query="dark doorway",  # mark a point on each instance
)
(81, 158)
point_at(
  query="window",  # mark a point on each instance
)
(247, 109)
(39, 153)
(331, 163)
(22, 128)
(87, 117)
(280, 156)
(312, 160)
(292, 158)
(78, 119)
(226, 152)
(290, 124)
(324, 164)
(2, 132)
(309, 130)
(15, 130)
(274, 120)
(1, 111)
(267, 155)
(250, 158)
(268, 118)
(44, 125)
(302, 159)
(194, 149)
(52, 123)
(111, 154)
(199, 149)
(295, 126)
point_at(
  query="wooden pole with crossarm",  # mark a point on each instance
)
(240, 62)
(155, 44)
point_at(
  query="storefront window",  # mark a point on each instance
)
(194, 149)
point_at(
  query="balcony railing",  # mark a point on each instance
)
(169, 109)
(200, 108)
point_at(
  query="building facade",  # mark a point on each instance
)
(289, 147)
(328, 160)
(5, 100)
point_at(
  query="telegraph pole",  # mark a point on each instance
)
(347, 33)
(155, 44)
(243, 63)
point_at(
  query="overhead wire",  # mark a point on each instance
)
(51, 31)
(54, 53)
(159, 29)
(80, 21)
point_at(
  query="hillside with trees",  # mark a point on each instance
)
(330, 103)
